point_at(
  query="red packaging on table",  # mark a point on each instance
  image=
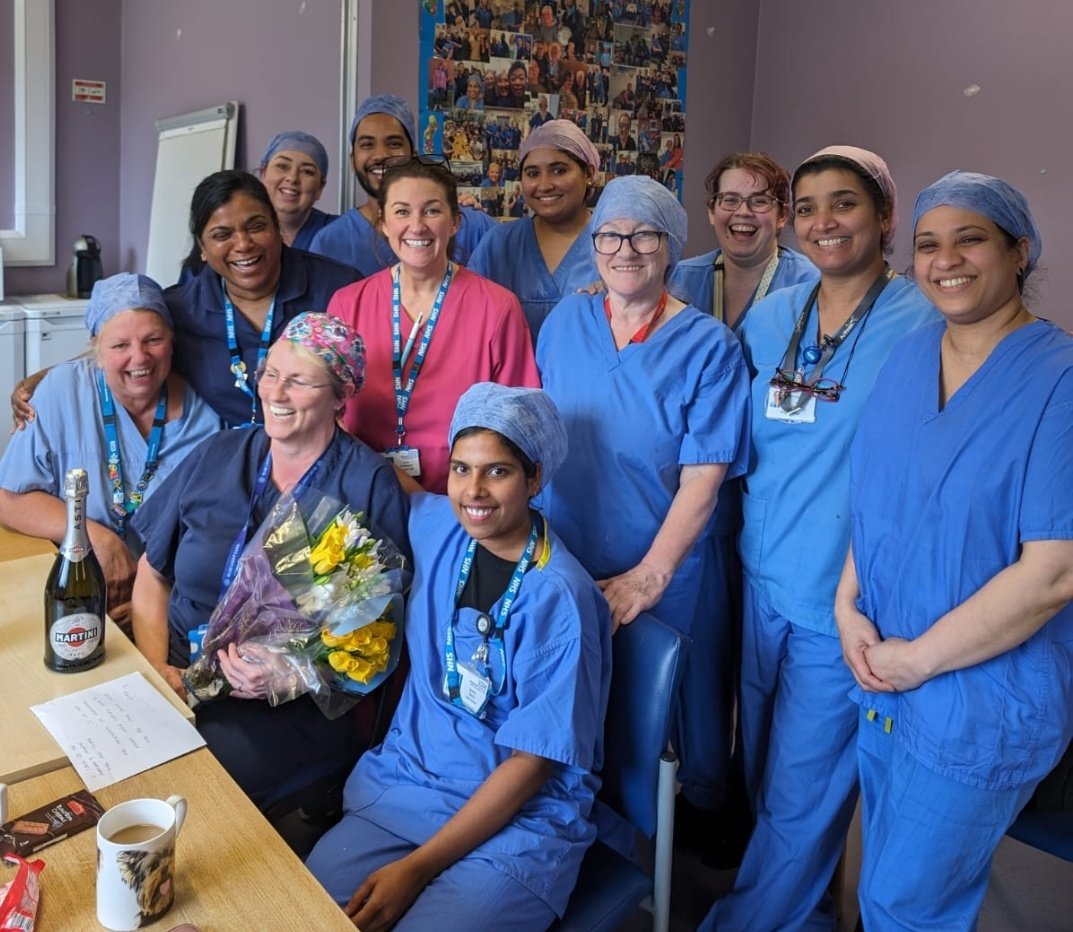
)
(19, 898)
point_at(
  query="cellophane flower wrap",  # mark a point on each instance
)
(317, 601)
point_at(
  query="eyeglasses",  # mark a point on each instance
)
(433, 161)
(758, 203)
(270, 378)
(642, 242)
(787, 382)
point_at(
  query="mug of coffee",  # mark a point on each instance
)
(136, 861)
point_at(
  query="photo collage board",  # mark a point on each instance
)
(494, 70)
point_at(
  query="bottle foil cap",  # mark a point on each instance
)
(76, 484)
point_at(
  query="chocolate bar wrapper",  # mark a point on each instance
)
(60, 819)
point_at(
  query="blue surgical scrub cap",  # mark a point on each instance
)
(124, 292)
(1001, 203)
(293, 140)
(392, 105)
(526, 416)
(640, 198)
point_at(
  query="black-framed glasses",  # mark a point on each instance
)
(642, 242)
(788, 382)
(270, 378)
(758, 203)
(434, 161)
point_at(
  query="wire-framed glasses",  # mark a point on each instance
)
(789, 382)
(642, 242)
(270, 378)
(758, 203)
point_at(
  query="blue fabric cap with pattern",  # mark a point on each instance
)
(392, 105)
(525, 416)
(1001, 203)
(124, 292)
(645, 200)
(293, 140)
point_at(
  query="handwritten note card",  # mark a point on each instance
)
(117, 729)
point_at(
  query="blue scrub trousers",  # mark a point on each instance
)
(799, 729)
(928, 840)
(470, 894)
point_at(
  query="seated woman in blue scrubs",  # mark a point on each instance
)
(294, 169)
(207, 510)
(124, 393)
(748, 205)
(476, 810)
(954, 606)
(655, 397)
(547, 255)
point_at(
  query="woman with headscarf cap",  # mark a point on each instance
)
(814, 351)
(477, 808)
(122, 414)
(547, 255)
(654, 394)
(954, 607)
(294, 169)
(196, 525)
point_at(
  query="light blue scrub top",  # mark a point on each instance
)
(795, 498)
(68, 432)
(634, 418)
(315, 222)
(552, 704)
(351, 239)
(942, 501)
(693, 280)
(510, 255)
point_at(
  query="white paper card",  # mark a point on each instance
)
(117, 729)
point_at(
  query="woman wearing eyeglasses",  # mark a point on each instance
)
(654, 394)
(431, 327)
(748, 205)
(215, 500)
(814, 351)
(954, 607)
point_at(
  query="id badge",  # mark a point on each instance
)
(474, 690)
(408, 459)
(805, 414)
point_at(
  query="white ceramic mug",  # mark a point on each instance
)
(136, 861)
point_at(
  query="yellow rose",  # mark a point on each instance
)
(332, 640)
(362, 671)
(341, 661)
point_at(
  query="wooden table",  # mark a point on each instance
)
(233, 872)
(14, 545)
(26, 747)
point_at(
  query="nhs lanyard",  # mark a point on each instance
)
(238, 365)
(231, 567)
(404, 393)
(122, 507)
(485, 626)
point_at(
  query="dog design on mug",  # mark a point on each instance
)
(148, 874)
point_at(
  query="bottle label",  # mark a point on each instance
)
(75, 637)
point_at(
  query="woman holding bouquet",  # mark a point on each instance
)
(204, 515)
(478, 803)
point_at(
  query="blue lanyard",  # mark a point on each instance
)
(241, 539)
(454, 679)
(238, 365)
(122, 507)
(403, 394)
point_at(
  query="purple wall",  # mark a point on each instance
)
(87, 144)
(278, 58)
(893, 77)
(7, 114)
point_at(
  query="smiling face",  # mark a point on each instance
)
(418, 223)
(294, 183)
(965, 264)
(134, 352)
(302, 409)
(378, 137)
(628, 275)
(554, 186)
(837, 223)
(241, 243)
(745, 236)
(490, 493)
(518, 80)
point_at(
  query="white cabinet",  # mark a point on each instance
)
(54, 328)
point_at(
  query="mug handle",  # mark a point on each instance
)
(178, 803)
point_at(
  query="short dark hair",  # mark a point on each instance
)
(218, 189)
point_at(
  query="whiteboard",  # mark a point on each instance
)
(189, 147)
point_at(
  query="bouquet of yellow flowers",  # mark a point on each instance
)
(317, 601)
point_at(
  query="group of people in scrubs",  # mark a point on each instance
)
(589, 427)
